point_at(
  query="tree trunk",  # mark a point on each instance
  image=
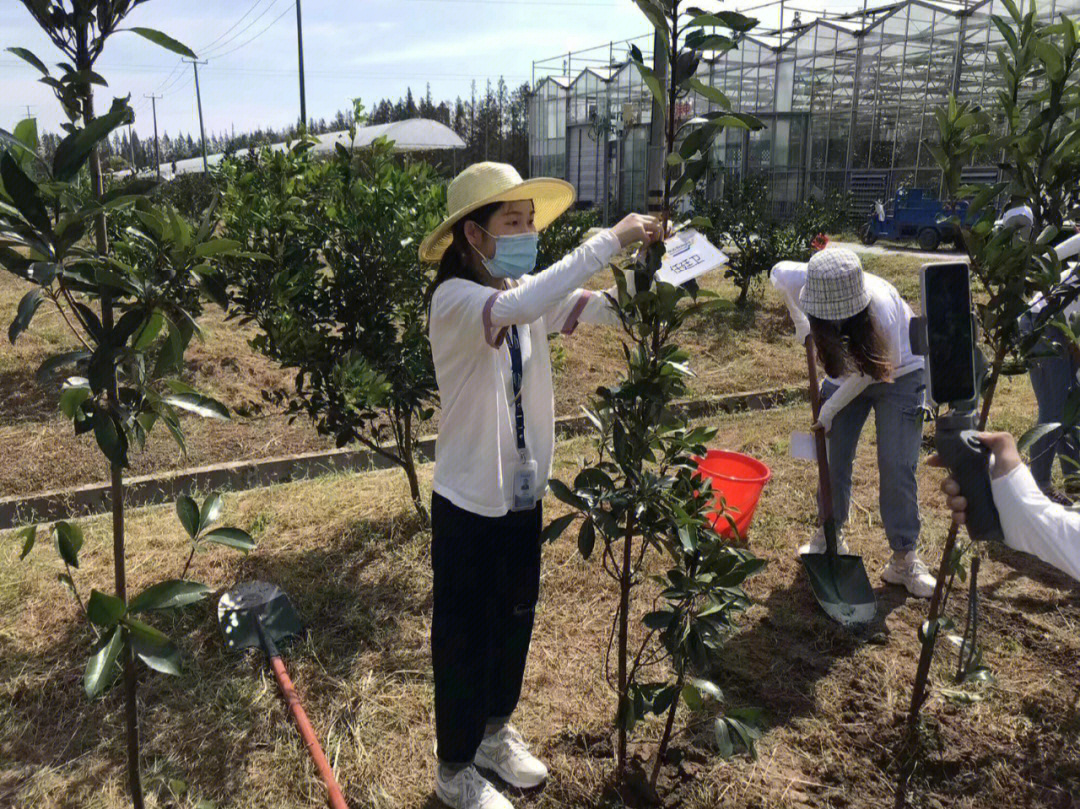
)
(625, 580)
(408, 463)
(662, 749)
(101, 239)
(926, 656)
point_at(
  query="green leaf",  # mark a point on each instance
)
(27, 134)
(231, 538)
(164, 658)
(164, 40)
(586, 538)
(28, 56)
(199, 404)
(732, 20)
(145, 633)
(216, 246)
(75, 149)
(211, 511)
(72, 397)
(139, 187)
(708, 688)
(711, 93)
(167, 595)
(563, 492)
(653, 83)
(1006, 32)
(655, 14)
(556, 527)
(723, 738)
(25, 196)
(29, 537)
(110, 438)
(12, 142)
(101, 667)
(149, 331)
(659, 620)
(1035, 433)
(188, 512)
(103, 609)
(27, 307)
(69, 540)
(47, 371)
(692, 697)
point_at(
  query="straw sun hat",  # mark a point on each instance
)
(484, 183)
(835, 287)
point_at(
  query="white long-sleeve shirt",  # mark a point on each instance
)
(476, 450)
(889, 311)
(1035, 524)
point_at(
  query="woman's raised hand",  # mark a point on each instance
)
(638, 228)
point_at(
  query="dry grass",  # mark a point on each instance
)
(357, 568)
(734, 351)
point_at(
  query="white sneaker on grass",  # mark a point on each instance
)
(817, 544)
(909, 570)
(468, 789)
(505, 754)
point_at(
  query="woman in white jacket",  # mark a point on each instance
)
(860, 327)
(489, 321)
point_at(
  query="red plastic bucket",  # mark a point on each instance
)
(739, 479)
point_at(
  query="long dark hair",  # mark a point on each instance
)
(457, 261)
(853, 344)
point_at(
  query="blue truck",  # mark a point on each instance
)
(916, 214)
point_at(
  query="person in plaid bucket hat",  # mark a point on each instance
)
(860, 327)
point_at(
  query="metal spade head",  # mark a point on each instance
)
(243, 608)
(841, 586)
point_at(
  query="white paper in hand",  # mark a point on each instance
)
(689, 255)
(803, 446)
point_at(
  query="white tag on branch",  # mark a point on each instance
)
(689, 254)
(803, 446)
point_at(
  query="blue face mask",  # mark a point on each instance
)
(515, 255)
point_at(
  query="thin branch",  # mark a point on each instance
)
(78, 599)
(194, 545)
(63, 314)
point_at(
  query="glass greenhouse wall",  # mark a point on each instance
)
(847, 101)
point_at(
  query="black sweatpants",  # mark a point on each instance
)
(486, 584)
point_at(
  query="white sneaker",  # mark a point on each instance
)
(468, 789)
(817, 544)
(505, 754)
(909, 570)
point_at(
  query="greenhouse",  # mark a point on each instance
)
(847, 101)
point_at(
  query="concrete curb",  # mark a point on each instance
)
(93, 498)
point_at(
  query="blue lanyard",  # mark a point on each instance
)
(513, 343)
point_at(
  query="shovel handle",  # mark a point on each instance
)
(307, 733)
(824, 481)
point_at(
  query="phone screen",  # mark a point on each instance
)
(947, 305)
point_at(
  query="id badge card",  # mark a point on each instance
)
(525, 486)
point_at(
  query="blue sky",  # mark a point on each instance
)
(368, 48)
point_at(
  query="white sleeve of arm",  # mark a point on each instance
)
(850, 387)
(1034, 524)
(583, 306)
(789, 277)
(537, 294)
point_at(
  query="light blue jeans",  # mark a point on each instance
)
(1053, 378)
(897, 407)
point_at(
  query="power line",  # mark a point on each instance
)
(263, 31)
(217, 51)
(220, 36)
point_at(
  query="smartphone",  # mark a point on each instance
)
(950, 335)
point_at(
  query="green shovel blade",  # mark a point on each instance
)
(841, 586)
(241, 609)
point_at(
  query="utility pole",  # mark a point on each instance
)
(300, 53)
(157, 152)
(198, 97)
(131, 150)
(28, 113)
(655, 172)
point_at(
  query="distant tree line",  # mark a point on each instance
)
(494, 126)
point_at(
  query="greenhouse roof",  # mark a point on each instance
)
(412, 135)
